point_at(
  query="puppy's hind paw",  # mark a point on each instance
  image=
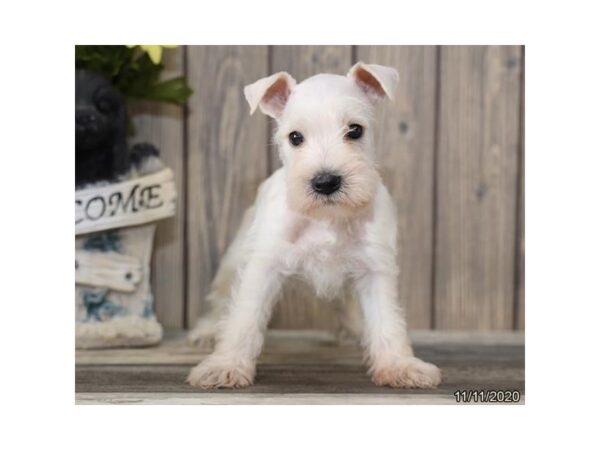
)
(408, 373)
(217, 373)
(203, 334)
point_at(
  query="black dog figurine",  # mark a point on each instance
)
(101, 152)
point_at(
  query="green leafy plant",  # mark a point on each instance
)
(134, 70)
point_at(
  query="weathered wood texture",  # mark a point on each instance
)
(227, 157)
(163, 126)
(477, 184)
(405, 139)
(140, 200)
(302, 369)
(449, 149)
(298, 308)
(520, 252)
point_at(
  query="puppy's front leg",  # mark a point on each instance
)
(385, 338)
(241, 334)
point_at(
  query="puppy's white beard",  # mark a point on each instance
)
(354, 198)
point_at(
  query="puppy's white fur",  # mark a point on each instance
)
(345, 239)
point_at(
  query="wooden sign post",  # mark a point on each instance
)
(124, 204)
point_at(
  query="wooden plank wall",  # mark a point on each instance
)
(227, 157)
(477, 187)
(451, 153)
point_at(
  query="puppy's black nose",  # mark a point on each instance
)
(326, 183)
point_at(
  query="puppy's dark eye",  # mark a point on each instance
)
(296, 138)
(355, 131)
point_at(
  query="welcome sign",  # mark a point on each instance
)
(124, 204)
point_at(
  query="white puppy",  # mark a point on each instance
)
(324, 216)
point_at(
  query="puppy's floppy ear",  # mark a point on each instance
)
(270, 93)
(376, 81)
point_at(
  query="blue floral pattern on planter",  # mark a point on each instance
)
(108, 317)
(99, 307)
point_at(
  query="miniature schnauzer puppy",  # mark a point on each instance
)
(326, 217)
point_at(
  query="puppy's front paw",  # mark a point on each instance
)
(216, 372)
(408, 373)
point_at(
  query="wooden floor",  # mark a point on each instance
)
(302, 368)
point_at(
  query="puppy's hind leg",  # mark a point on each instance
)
(203, 333)
(349, 317)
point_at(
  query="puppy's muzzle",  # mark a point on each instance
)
(326, 183)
